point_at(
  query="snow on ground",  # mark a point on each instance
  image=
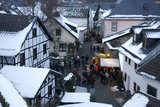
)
(89, 104)
(68, 77)
(11, 41)
(26, 80)
(75, 97)
(114, 88)
(10, 94)
(138, 100)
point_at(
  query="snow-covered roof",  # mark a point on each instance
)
(115, 35)
(64, 21)
(89, 104)
(153, 35)
(152, 25)
(10, 94)
(111, 47)
(109, 62)
(138, 100)
(25, 79)
(11, 42)
(105, 13)
(70, 97)
(135, 49)
(126, 53)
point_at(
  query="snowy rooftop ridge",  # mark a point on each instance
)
(29, 79)
(64, 21)
(10, 94)
(11, 42)
(152, 25)
(115, 35)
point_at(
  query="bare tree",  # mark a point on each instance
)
(31, 3)
(49, 6)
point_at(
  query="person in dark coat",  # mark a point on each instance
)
(91, 80)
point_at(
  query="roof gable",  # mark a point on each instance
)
(29, 79)
(67, 25)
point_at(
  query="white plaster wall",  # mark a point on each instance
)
(142, 81)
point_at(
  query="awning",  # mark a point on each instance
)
(109, 62)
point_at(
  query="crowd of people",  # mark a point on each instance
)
(107, 76)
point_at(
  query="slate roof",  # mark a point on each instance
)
(137, 7)
(151, 65)
(14, 23)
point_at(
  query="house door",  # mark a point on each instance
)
(128, 84)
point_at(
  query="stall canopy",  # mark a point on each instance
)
(109, 62)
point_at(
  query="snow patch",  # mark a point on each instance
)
(138, 100)
(68, 77)
(75, 97)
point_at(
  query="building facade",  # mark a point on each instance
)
(28, 45)
(137, 53)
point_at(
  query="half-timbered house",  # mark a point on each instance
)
(36, 85)
(24, 41)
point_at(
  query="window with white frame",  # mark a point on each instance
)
(114, 26)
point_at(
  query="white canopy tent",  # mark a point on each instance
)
(109, 62)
